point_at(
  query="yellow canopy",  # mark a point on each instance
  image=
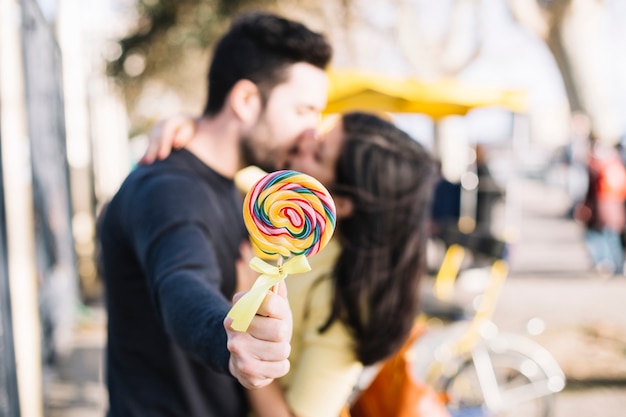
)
(357, 90)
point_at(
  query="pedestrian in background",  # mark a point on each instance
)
(603, 211)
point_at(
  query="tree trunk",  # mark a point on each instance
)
(554, 41)
(572, 30)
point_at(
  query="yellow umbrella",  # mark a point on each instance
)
(357, 90)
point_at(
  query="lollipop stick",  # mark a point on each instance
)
(279, 263)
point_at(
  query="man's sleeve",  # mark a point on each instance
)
(177, 256)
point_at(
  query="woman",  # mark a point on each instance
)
(359, 302)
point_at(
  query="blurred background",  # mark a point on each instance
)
(516, 90)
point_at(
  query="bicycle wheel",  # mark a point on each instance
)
(504, 383)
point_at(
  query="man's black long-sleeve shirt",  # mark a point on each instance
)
(170, 238)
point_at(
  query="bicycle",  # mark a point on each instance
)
(477, 370)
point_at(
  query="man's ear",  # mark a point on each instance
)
(245, 100)
(344, 206)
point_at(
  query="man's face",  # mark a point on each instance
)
(293, 108)
(317, 156)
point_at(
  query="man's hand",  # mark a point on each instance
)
(166, 135)
(260, 355)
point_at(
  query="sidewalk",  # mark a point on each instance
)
(75, 388)
(551, 279)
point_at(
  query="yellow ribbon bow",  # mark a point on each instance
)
(246, 307)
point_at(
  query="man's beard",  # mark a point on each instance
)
(251, 156)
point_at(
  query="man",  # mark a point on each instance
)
(171, 235)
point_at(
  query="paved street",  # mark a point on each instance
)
(583, 314)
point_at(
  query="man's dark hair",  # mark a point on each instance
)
(260, 47)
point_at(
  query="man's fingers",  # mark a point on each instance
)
(256, 374)
(276, 304)
(282, 290)
(270, 329)
(272, 321)
(261, 354)
(256, 362)
(258, 349)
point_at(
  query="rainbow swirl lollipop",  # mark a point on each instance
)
(288, 215)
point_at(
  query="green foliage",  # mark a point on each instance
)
(167, 28)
